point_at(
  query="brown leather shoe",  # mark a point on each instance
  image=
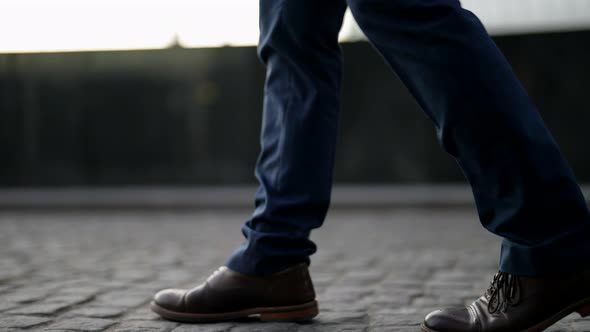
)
(229, 295)
(517, 304)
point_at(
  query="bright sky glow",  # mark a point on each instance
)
(77, 25)
(527, 16)
(61, 25)
(217, 22)
(83, 25)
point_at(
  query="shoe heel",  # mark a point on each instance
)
(297, 315)
(584, 310)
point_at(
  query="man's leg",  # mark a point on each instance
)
(299, 46)
(268, 275)
(523, 187)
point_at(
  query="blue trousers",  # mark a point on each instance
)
(524, 190)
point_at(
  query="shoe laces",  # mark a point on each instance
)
(504, 292)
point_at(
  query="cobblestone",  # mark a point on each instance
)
(22, 321)
(97, 312)
(148, 326)
(376, 270)
(81, 324)
(39, 309)
(220, 327)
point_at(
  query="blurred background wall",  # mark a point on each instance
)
(178, 114)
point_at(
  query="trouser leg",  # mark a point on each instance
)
(523, 187)
(299, 47)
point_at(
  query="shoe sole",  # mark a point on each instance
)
(298, 313)
(581, 307)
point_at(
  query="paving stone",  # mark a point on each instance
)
(98, 312)
(111, 284)
(220, 327)
(4, 306)
(430, 301)
(68, 299)
(391, 329)
(132, 275)
(346, 293)
(122, 299)
(22, 321)
(341, 317)
(152, 286)
(267, 327)
(6, 288)
(81, 289)
(10, 272)
(148, 326)
(374, 271)
(387, 301)
(181, 275)
(346, 327)
(395, 283)
(143, 313)
(23, 296)
(39, 309)
(81, 324)
(396, 319)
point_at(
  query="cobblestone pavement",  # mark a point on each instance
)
(376, 270)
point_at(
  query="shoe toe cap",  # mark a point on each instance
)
(171, 299)
(449, 320)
